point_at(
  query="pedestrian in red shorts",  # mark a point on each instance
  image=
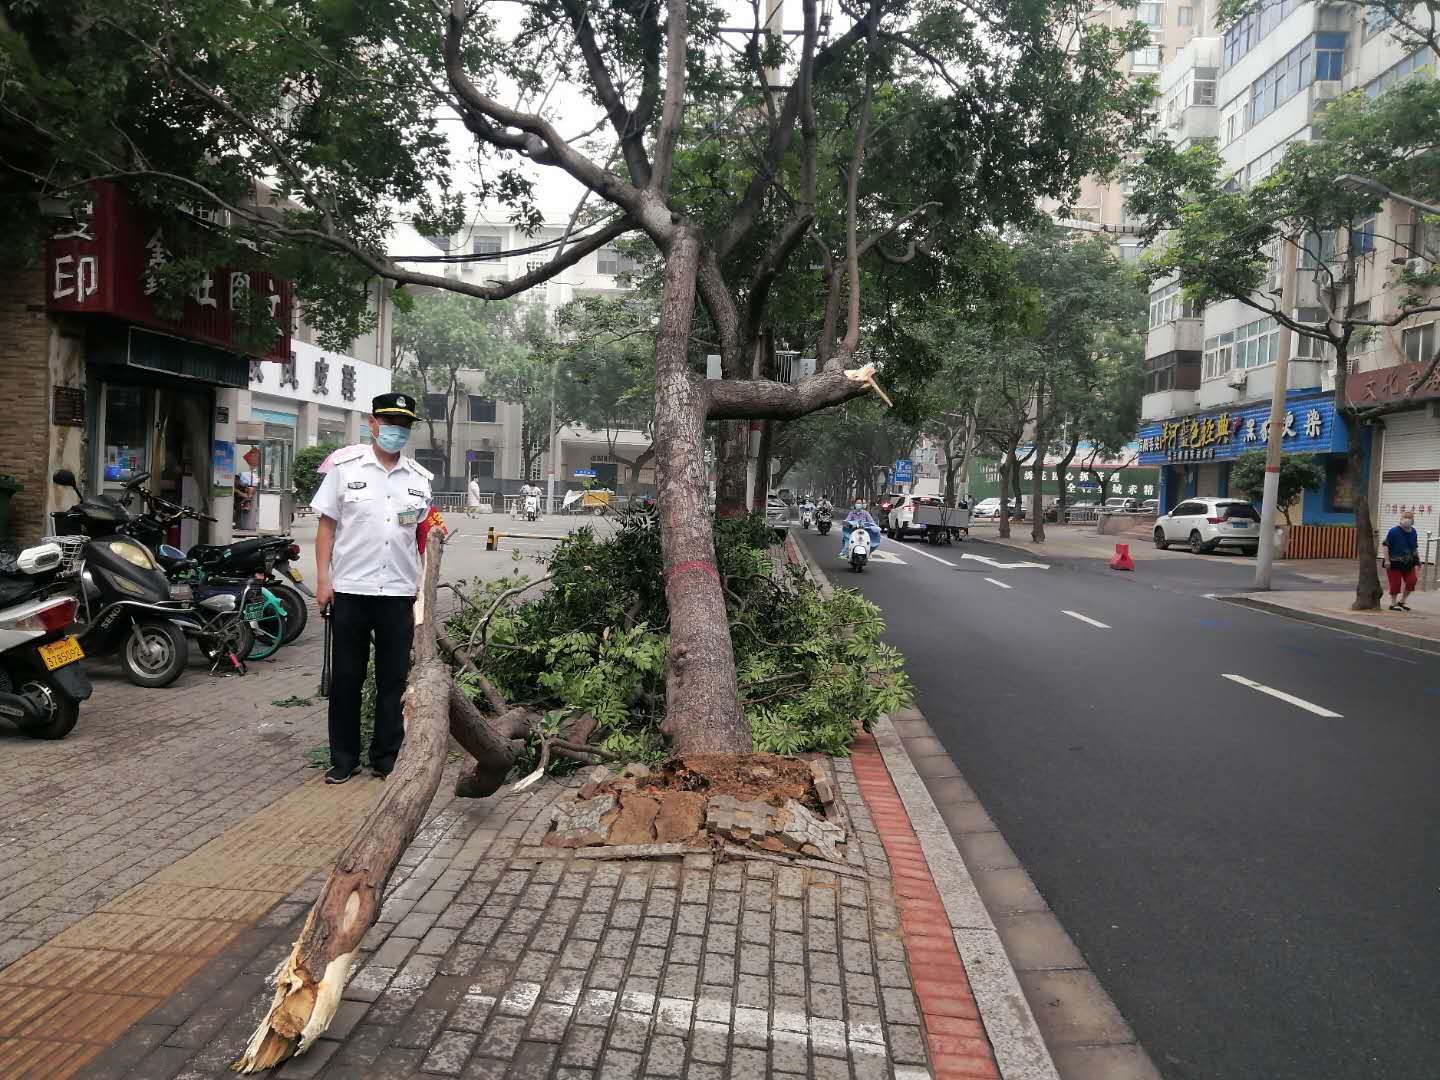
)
(1399, 554)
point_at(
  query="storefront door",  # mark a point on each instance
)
(123, 439)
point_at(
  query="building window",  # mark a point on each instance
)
(1362, 236)
(482, 410)
(1151, 14)
(1204, 92)
(1329, 56)
(1246, 33)
(1148, 57)
(1419, 343)
(1219, 353)
(610, 261)
(435, 406)
(1317, 249)
(482, 463)
(1312, 348)
(1168, 304)
(1417, 63)
(1184, 16)
(485, 245)
(1256, 344)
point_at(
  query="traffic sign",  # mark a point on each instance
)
(904, 472)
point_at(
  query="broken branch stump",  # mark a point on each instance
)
(309, 983)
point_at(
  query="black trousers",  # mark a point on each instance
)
(352, 620)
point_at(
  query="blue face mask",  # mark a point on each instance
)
(392, 438)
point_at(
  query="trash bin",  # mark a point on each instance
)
(8, 487)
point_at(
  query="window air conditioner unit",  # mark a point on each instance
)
(1327, 379)
(1236, 380)
(1326, 90)
(1417, 266)
(485, 443)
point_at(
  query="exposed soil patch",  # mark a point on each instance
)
(766, 777)
(777, 804)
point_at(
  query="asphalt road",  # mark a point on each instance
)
(1256, 883)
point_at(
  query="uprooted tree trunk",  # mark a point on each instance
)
(308, 985)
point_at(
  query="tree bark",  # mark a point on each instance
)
(1064, 495)
(702, 700)
(308, 985)
(732, 453)
(1367, 584)
(762, 469)
(1037, 474)
(1006, 467)
(641, 460)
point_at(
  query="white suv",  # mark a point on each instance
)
(1206, 524)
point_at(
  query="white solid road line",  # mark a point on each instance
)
(1389, 656)
(1291, 698)
(1002, 584)
(937, 558)
(1086, 619)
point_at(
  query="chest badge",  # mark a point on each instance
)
(356, 485)
(417, 494)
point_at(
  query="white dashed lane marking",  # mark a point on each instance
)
(1301, 703)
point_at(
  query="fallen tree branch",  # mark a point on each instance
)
(309, 983)
(484, 623)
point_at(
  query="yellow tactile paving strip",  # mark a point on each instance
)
(62, 1004)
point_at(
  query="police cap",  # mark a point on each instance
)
(387, 406)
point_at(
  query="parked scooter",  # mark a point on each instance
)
(822, 521)
(42, 681)
(125, 606)
(270, 557)
(532, 507)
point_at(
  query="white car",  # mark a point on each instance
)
(1206, 524)
(987, 509)
(900, 515)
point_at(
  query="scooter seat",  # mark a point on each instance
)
(14, 589)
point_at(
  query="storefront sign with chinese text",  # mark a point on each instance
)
(1310, 426)
(106, 263)
(1393, 384)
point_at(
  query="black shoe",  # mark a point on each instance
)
(379, 773)
(1403, 606)
(338, 775)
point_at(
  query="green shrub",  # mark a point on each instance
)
(596, 640)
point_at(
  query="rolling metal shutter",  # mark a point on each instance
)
(1410, 472)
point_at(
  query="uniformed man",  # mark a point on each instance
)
(367, 566)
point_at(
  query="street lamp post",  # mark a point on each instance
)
(1351, 182)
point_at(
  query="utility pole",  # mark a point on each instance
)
(1274, 443)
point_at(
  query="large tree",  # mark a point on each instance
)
(893, 120)
(1222, 241)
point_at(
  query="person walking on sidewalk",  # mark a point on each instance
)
(472, 497)
(1399, 554)
(367, 568)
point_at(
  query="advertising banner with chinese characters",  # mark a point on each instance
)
(104, 263)
(1311, 427)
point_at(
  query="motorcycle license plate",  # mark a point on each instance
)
(59, 653)
(254, 611)
(293, 574)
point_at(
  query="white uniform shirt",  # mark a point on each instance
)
(376, 513)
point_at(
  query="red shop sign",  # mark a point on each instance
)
(102, 266)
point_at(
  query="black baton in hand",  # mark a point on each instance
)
(325, 662)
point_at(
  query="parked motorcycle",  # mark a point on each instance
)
(270, 557)
(42, 681)
(822, 521)
(125, 607)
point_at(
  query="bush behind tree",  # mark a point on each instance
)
(1298, 474)
(305, 469)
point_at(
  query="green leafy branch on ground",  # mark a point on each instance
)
(594, 642)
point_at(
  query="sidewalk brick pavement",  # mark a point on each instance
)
(146, 777)
(495, 956)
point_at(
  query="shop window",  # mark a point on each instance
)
(482, 410)
(276, 454)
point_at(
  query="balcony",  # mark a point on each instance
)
(1167, 403)
(1193, 123)
(1178, 335)
(1321, 93)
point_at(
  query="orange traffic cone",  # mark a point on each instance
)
(1122, 559)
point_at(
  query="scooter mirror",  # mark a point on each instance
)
(65, 478)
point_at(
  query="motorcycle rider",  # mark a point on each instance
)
(807, 510)
(858, 518)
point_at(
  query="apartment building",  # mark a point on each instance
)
(486, 441)
(1210, 374)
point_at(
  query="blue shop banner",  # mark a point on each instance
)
(1311, 427)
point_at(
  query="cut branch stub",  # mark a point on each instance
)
(309, 983)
